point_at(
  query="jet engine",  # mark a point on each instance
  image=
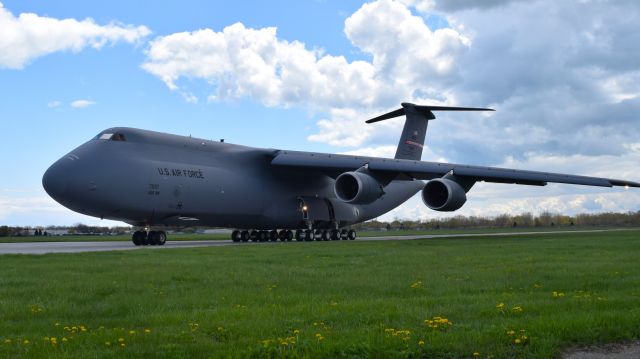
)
(444, 195)
(357, 188)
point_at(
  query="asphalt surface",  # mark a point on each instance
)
(607, 351)
(80, 247)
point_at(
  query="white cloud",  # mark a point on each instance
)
(54, 104)
(82, 103)
(29, 36)
(244, 62)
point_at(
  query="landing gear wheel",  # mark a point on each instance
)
(152, 238)
(351, 235)
(343, 234)
(299, 236)
(255, 236)
(138, 237)
(245, 236)
(326, 235)
(235, 235)
(317, 235)
(308, 235)
(335, 235)
(288, 235)
(273, 235)
(161, 238)
(263, 236)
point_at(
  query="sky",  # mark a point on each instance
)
(304, 75)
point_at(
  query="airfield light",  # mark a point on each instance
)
(626, 187)
(304, 208)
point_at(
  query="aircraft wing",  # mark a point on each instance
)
(333, 165)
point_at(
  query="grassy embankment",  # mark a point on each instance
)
(330, 299)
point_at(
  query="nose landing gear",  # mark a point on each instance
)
(154, 238)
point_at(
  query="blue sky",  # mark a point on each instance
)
(565, 93)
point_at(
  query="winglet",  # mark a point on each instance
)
(423, 110)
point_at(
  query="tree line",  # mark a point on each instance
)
(526, 220)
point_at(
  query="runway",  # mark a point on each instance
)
(81, 247)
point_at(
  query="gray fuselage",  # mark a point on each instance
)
(147, 178)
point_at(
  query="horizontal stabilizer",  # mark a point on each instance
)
(424, 110)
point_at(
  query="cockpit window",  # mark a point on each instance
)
(111, 137)
(117, 137)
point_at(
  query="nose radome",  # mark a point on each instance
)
(55, 182)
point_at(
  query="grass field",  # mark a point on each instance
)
(525, 296)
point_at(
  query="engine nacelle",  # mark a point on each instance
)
(443, 195)
(357, 188)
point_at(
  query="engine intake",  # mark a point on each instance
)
(443, 195)
(357, 188)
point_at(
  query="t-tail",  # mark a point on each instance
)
(415, 126)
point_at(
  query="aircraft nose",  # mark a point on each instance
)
(55, 182)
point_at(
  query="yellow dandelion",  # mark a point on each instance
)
(476, 354)
(120, 340)
(64, 339)
(122, 345)
(25, 342)
(421, 343)
(132, 332)
(107, 343)
(147, 331)
(296, 331)
(517, 340)
(7, 341)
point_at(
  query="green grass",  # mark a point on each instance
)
(237, 301)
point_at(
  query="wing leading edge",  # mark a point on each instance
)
(333, 165)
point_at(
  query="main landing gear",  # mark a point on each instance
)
(153, 238)
(287, 235)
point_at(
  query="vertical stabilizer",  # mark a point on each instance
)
(414, 132)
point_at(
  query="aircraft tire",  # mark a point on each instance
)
(352, 235)
(298, 235)
(255, 235)
(335, 235)
(343, 234)
(235, 236)
(162, 238)
(308, 235)
(136, 238)
(288, 235)
(326, 235)
(245, 236)
(317, 235)
(263, 236)
(273, 235)
(152, 238)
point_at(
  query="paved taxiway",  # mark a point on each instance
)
(79, 247)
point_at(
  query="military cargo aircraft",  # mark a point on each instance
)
(150, 179)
